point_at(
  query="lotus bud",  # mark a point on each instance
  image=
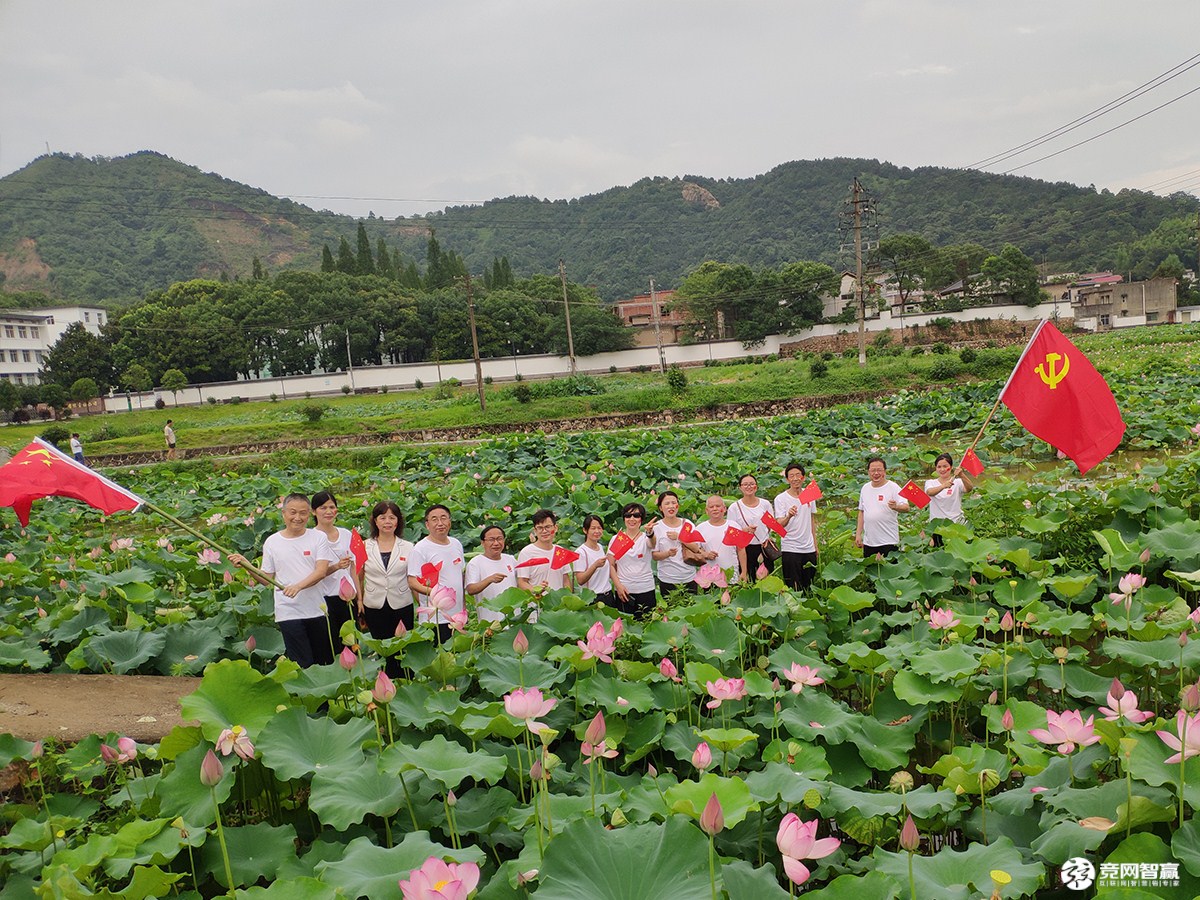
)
(725, 598)
(595, 730)
(910, 838)
(1006, 623)
(520, 643)
(1117, 690)
(775, 683)
(401, 629)
(1145, 556)
(651, 771)
(211, 770)
(1183, 639)
(618, 818)
(451, 799)
(712, 820)
(346, 590)
(251, 643)
(1191, 698)
(385, 688)
(39, 749)
(702, 757)
(993, 698)
(1006, 720)
(108, 754)
(347, 660)
(901, 782)
(667, 669)
(536, 772)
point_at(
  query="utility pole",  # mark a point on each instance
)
(860, 216)
(562, 274)
(349, 364)
(658, 329)
(475, 344)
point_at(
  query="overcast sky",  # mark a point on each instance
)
(413, 106)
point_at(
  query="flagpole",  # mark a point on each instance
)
(175, 520)
(1000, 397)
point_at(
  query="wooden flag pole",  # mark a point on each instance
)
(258, 574)
(1000, 397)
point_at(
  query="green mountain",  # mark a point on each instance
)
(112, 229)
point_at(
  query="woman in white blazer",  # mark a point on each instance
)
(384, 598)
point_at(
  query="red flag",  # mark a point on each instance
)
(689, 535)
(771, 522)
(972, 464)
(358, 550)
(736, 537)
(533, 561)
(562, 557)
(811, 494)
(621, 544)
(915, 495)
(1060, 397)
(430, 573)
(42, 470)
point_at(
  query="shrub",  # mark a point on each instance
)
(677, 380)
(521, 393)
(418, 384)
(827, 355)
(445, 390)
(917, 351)
(945, 369)
(941, 348)
(518, 377)
(312, 412)
(967, 356)
(56, 435)
(20, 415)
(345, 389)
(212, 401)
(818, 368)
(274, 398)
(383, 389)
(612, 370)
(236, 400)
(104, 433)
(943, 322)
(487, 379)
(160, 403)
(308, 395)
(849, 353)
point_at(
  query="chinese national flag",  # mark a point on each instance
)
(1060, 397)
(431, 573)
(689, 535)
(621, 544)
(42, 470)
(972, 464)
(562, 557)
(915, 495)
(736, 537)
(358, 550)
(533, 561)
(812, 493)
(771, 522)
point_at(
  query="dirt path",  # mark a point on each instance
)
(71, 707)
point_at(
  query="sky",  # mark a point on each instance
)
(397, 108)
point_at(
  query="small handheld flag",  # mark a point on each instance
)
(689, 535)
(915, 495)
(533, 561)
(811, 494)
(562, 557)
(430, 573)
(621, 544)
(358, 550)
(736, 537)
(972, 464)
(771, 522)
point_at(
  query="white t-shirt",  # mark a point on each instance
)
(480, 567)
(948, 503)
(714, 541)
(450, 555)
(799, 537)
(332, 585)
(169, 434)
(881, 523)
(599, 583)
(542, 573)
(76, 446)
(633, 568)
(672, 570)
(294, 559)
(750, 519)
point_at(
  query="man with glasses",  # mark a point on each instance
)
(533, 562)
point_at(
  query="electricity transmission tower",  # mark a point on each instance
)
(859, 218)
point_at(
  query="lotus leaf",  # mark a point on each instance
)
(255, 852)
(368, 870)
(443, 761)
(953, 875)
(232, 693)
(294, 745)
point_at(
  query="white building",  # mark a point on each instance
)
(26, 335)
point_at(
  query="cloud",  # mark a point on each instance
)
(929, 69)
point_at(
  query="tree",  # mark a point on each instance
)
(84, 390)
(54, 396)
(327, 263)
(383, 260)
(952, 263)
(257, 273)
(137, 379)
(346, 263)
(78, 354)
(174, 381)
(364, 263)
(1013, 273)
(905, 258)
(9, 397)
(1171, 267)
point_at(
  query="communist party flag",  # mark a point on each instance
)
(1060, 397)
(42, 470)
(358, 550)
(562, 557)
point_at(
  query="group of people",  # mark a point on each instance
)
(318, 586)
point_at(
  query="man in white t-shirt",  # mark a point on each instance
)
(491, 573)
(541, 575)
(715, 548)
(879, 506)
(799, 519)
(437, 547)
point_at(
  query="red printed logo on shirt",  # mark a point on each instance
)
(456, 561)
(308, 553)
(880, 498)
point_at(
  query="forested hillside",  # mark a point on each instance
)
(113, 229)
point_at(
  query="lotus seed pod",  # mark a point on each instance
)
(812, 798)
(901, 781)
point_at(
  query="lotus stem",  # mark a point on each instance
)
(1182, 766)
(712, 865)
(224, 848)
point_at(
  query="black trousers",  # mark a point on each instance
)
(306, 642)
(799, 569)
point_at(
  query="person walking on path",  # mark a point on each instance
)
(169, 436)
(77, 448)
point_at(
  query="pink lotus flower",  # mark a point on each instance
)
(712, 819)
(797, 841)
(667, 669)
(1129, 585)
(1006, 623)
(1194, 615)
(702, 757)
(1196, 429)
(347, 659)
(596, 729)
(235, 740)
(802, 676)
(593, 746)
(121, 544)
(1006, 720)
(441, 599)
(762, 571)
(600, 643)
(1067, 730)
(910, 838)
(94, 553)
(1122, 704)
(227, 577)
(520, 643)
(1188, 742)
(458, 621)
(251, 643)
(1144, 556)
(439, 880)
(711, 574)
(207, 556)
(126, 751)
(941, 619)
(725, 598)
(384, 690)
(725, 689)
(346, 590)
(528, 705)
(617, 629)
(211, 770)
(401, 629)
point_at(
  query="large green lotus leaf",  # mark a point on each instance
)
(34, 834)
(779, 782)
(860, 657)
(1081, 681)
(974, 552)
(744, 882)
(409, 705)
(1118, 554)
(607, 693)
(886, 747)
(851, 599)
(1190, 580)
(12, 747)
(1143, 811)
(294, 745)
(1160, 654)
(499, 675)
(690, 797)
(568, 625)
(1179, 541)
(917, 689)
(479, 811)
(813, 714)
(189, 647)
(324, 682)
(232, 693)
(292, 889)
(1058, 622)
(948, 875)
(872, 886)
(181, 794)
(945, 663)
(368, 870)
(343, 795)
(1051, 521)
(447, 763)
(16, 654)
(924, 802)
(490, 723)
(563, 808)
(1147, 762)
(123, 651)
(697, 674)
(727, 739)
(933, 583)
(1065, 840)
(255, 852)
(718, 638)
(638, 862)
(1144, 847)
(643, 736)
(1185, 844)
(661, 639)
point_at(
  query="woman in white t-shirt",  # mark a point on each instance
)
(632, 576)
(879, 506)
(591, 569)
(491, 573)
(325, 510)
(746, 513)
(674, 573)
(946, 491)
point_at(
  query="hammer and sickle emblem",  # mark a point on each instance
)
(1051, 374)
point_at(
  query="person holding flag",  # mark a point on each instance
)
(747, 514)
(592, 566)
(536, 563)
(385, 599)
(671, 536)
(798, 516)
(946, 491)
(491, 573)
(713, 529)
(879, 506)
(437, 560)
(629, 555)
(339, 587)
